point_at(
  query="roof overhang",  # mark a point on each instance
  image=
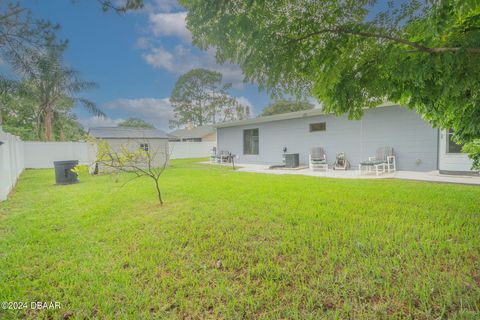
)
(284, 116)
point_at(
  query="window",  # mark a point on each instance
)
(320, 126)
(250, 141)
(452, 146)
(192, 140)
(144, 146)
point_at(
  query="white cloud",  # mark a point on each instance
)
(182, 60)
(156, 111)
(96, 121)
(316, 104)
(170, 24)
(246, 102)
(142, 43)
(161, 5)
(160, 58)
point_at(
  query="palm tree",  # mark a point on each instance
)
(55, 87)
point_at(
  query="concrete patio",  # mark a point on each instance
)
(431, 176)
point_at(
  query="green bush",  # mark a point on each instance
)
(473, 150)
(81, 169)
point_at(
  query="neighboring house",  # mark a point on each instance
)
(194, 134)
(153, 140)
(417, 146)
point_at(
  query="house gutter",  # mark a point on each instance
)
(438, 149)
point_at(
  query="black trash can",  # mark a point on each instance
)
(64, 173)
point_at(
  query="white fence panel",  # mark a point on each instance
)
(43, 154)
(182, 150)
(11, 162)
(16, 155)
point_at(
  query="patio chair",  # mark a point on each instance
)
(341, 163)
(383, 161)
(223, 157)
(318, 159)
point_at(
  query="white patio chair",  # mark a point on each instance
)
(223, 157)
(318, 159)
(383, 161)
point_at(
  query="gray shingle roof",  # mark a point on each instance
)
(283, 116)
(126, 132)
(195, 132)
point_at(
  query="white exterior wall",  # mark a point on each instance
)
(210, 138)
(414, 141)
(451, 161)
(42, 154)
(11, 162)
(182, 150)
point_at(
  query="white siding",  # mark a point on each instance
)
(451, 161)
(414, 141)
(181, 150)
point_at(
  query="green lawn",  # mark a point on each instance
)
(289, 246)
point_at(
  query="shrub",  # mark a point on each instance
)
(473, 150)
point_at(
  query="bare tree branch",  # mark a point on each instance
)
(136, 156)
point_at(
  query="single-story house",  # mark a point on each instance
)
(194, 134)
(153, 140)
(417, 146)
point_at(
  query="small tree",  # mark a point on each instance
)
(137, 157)
(136, 123)
(284, 106)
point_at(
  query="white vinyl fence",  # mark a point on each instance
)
(11, 162)
(43, 154)
(182, 150)
(17, 155)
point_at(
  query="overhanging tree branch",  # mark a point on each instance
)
(419, 47)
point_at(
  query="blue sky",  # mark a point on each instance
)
(135, 58)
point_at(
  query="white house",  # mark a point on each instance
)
(194, 134)
(417, 146)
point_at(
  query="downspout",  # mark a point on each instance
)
(438, 149)
(361, 139)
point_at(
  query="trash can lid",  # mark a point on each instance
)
(65, 162)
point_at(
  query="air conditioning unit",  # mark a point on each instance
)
(292, 160)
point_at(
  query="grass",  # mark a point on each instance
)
(240, 245)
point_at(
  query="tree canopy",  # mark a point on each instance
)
(136, 123)
(199, 97)
(21, 35)
(23, 116)
(352, 55)
(121, 6)
(36, 101)
(55, 87)
(284, 106)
